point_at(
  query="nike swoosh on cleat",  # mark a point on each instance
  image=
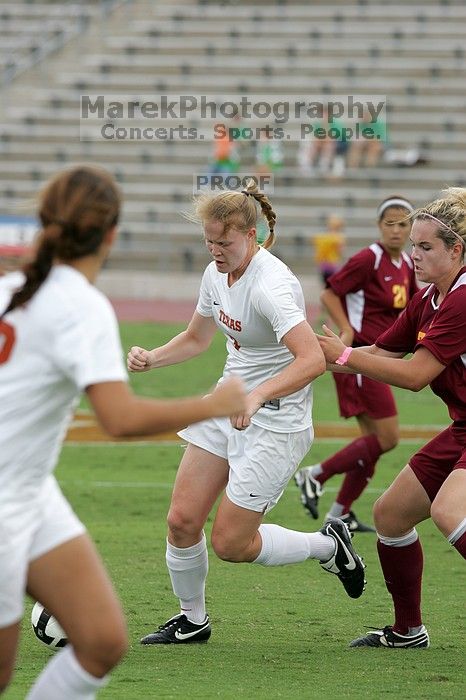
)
(187, 635)
(351, 563)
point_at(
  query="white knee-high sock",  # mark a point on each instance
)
(188, 568)
(282, 546)
(64, 677)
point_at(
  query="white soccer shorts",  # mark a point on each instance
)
(27, 531)
(261, 461)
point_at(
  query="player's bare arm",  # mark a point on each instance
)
(122, 414)
(187, 344)
(370, 349)
(333, 305)
(307, 365)
(413, 374)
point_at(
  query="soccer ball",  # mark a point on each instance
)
(46, 628)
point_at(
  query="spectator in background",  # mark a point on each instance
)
(227, 149)
(328, 247)
(318, 151)
(269, 155)
(363, 299)
(367, 150)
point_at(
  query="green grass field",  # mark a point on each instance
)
(277, 632)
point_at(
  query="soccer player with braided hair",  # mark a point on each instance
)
(254, 299)
(59, 337)
(433, 483)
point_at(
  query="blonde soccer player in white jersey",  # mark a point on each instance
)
(254, 299)
(59, 337)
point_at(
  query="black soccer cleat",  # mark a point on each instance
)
(345, 563)
(179, 630)
(355, 525)
(393, 640)
(311, 490)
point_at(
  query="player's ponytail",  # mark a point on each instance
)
(266, 208)
(236, 209)
(76, 209)
(36, 270)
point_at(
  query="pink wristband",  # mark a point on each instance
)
(343, 359)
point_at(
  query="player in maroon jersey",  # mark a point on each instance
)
(433, 483)
(363, 299)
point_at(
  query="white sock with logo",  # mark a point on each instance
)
(188, 568)
(283, 546)
(64, 677)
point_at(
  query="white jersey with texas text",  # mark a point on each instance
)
(254, 314)
(63, 340)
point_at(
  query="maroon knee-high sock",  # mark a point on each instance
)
(361, 454)
(352, 487)
(402, 570)
(460, 545)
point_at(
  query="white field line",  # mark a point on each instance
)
(85, 418)
(160, 485)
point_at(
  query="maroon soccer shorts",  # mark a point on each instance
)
(358, 394)
(436, 460)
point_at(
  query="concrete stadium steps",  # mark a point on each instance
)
(319, 9)
(304, 193)
(29, 32)
(413, 53)
(420, 120)
(399, 101)
(445, 66)
(317, 83)
(136, 170)
(261, 24)
(316, 42)
(441, 147)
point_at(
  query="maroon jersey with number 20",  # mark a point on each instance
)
(374, 289)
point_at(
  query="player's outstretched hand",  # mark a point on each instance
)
(229, 397)
(331, 345)
(139, 360)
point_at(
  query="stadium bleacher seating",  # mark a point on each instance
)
(412, 53)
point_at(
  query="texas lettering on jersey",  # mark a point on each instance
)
(229, 322)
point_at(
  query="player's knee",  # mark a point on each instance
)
(389, 440)
(440, 514)
(226, 548)
(381, 515)
(106, 648)
(182, 523)
(105, 643)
